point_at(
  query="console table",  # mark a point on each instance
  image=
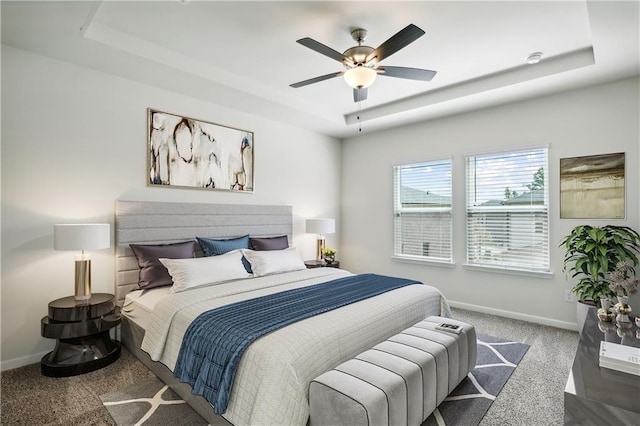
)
(597, 395)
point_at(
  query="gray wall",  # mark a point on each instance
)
(596, 120)
(74, 141)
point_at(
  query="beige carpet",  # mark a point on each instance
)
(29, 398)
(532, 396)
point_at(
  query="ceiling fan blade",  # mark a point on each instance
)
(321, 48)
(401, 39)
(316, 79)
(404, 72)
(359, 95)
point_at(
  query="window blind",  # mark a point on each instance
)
(507, 210)
(422, 219)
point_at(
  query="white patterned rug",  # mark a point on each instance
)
(470, 401)
(149, 403)
(153, 403)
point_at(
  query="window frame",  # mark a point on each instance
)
(398, 209)
(472, 211)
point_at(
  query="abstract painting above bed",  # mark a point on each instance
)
(198, 154)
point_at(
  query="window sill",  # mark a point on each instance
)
(423, 261)
(497, 270)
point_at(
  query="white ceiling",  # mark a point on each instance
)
(244, 55)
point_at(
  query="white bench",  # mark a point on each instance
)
(397, 382)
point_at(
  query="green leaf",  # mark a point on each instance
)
(591, 253)
(602, 250)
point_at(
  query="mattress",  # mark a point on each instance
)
(139, 304)
(272, 382)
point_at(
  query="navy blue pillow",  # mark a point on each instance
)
(212, 247)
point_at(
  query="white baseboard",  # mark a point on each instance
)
(515, 315)
(22, 361)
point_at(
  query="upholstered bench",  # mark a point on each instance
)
(397, 382)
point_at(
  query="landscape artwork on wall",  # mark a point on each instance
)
(185, 152)
(592, 187)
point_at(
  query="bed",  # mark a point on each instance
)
(273, 376)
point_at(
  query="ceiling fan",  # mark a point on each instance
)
(362, 62)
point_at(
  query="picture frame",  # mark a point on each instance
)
(189, 153)
(593, 187)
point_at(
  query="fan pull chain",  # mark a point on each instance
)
(358, 117)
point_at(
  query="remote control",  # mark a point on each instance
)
(451, 328)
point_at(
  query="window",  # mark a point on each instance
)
(422, 220)
(507, 211)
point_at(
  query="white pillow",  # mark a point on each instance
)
(193, 272)
(273, 261)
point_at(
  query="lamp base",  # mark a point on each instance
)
(319, 247)
(83, 278)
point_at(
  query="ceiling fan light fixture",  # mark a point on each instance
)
(360, 77)
(361, 62)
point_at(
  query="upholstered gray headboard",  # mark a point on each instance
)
(145, 222)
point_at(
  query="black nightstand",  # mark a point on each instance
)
(82, 330)
(321, 264)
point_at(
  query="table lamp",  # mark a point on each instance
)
(85, 236)
(320, 227)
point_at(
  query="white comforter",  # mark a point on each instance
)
(272, 381)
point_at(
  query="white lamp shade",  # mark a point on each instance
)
(321, 226)
(85, 236)
(360, 77)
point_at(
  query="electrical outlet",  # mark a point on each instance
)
(569, 297)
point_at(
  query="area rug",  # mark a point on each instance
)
(153, 403)
(149, 403)
(470, 401)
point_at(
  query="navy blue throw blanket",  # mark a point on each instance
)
(215, 341)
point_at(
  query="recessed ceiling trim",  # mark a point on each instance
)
(106, 35)
(550, 66)
(224, 35)
(92, 13)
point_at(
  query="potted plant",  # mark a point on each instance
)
(623, 282)
(592, 253)
(329, 255)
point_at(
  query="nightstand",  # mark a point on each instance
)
(82, 330)
(320, 264)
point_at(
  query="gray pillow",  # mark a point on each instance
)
(269, 243)
(152, 272)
